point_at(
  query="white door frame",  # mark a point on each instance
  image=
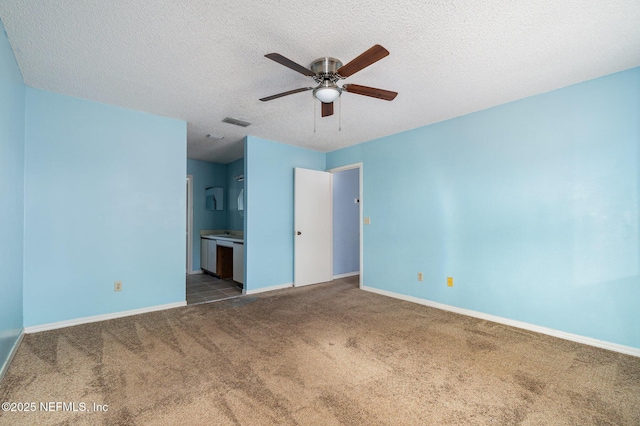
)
(360, 167)
(189, 260)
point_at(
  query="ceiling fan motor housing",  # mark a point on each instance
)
(325, 69)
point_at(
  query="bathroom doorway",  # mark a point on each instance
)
(189, 220)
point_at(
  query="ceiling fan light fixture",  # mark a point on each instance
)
(327, 92)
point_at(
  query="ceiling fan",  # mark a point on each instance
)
(328, 71)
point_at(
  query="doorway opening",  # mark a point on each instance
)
(189, 260)
(328, 225)
(347, 210)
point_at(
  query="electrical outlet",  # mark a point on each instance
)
(419, 276)
(117, 286)
(450, 281)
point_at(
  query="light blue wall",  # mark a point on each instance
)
(235, 222)
(12, 199)
(205, 174)
(346, 222)
(105, 200)
(531, 206)
(269, 209)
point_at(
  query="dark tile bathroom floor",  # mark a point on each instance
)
(202, 288)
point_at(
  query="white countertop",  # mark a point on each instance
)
(224, 237)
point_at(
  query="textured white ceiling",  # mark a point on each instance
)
(202, 61)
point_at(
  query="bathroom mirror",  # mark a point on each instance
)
(214, 198)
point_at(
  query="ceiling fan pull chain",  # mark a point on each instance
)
(314, 115)
(340, 114)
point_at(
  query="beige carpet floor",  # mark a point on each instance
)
(327, 354)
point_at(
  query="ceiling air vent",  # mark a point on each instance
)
(236, 122)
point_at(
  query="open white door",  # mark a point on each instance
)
(312, 227)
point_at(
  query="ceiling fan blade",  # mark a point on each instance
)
(290, 92)
(372, 55)
(386, 95)
(327, 109)
(290, 64)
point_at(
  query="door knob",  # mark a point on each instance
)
(298, 233)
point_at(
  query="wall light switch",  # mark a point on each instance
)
(367, 221)
(419, 276)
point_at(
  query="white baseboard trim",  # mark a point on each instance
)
(12, 353)
(104, 317)
(628, 350)
(196, 272)
(271, 288)
(348, 274)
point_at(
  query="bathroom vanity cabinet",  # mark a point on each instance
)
(223, 255)
(208, 250)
